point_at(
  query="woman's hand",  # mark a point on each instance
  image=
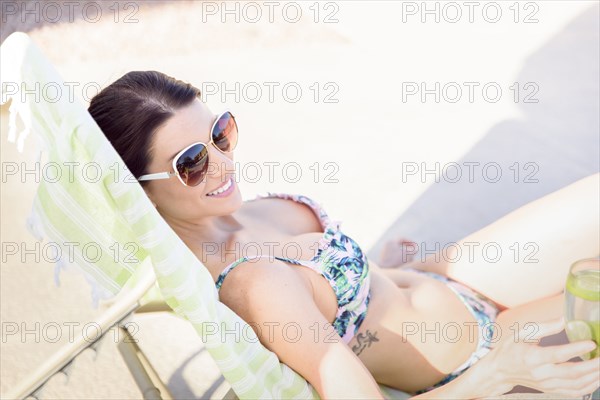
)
(397, 252)
(523, 362)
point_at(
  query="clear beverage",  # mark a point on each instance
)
(582, 304)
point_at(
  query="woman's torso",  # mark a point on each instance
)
(398, 340)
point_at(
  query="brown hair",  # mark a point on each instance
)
(131, 109)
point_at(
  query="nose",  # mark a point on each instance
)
(220, 164)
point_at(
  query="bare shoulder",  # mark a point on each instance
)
(281, 310)
(291, 216)
(279, 306)
(270, 296)
(258, 281)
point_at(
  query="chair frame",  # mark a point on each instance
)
(115, 317)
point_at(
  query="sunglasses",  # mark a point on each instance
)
(191, 164)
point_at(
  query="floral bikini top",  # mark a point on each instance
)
(339, 259)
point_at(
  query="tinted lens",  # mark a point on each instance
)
(193, 164)
(225, 133)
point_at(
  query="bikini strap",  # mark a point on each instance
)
(234, 264)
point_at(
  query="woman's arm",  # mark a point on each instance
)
(513, 363)
(469, 385)
(281, 309)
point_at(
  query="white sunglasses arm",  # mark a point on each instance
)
(158, 175)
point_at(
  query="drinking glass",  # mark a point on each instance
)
(582, 304)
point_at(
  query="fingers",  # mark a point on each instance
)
(570, 388)
(542, 329)
(569, 378)
(591, 388)
(564, 381)
(547, 368)
(564, 352)
(577, 369)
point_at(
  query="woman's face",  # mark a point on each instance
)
(174, 200)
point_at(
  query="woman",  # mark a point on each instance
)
(437, 328)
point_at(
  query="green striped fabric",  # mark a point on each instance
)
(98, 206)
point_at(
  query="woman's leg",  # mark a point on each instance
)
(538, 243)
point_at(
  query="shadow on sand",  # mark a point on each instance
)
(559, 135)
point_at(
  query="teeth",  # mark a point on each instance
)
(222, 189)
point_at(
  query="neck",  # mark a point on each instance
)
(209, 235)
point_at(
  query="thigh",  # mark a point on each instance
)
(537, 242)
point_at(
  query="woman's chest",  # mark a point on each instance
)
(263, 239)
(286, 233)
(277, 228)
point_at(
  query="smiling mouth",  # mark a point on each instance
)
(222, 189)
